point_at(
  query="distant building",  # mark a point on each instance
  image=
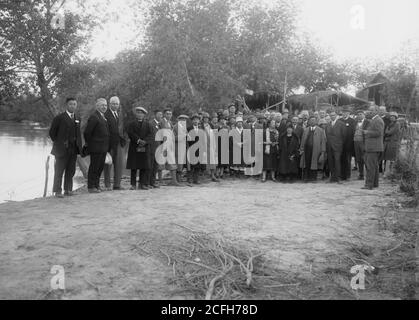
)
(323, 100)
(374, 90)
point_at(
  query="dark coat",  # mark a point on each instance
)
(319, 148)
(348, 143)
(96, 134)
(282, 128)
(66, 135)
(270, 160)
(374, 135)
(139, 159)
(335, 136)
(391, 141)
(116, 136)
(298, 131)
(198, 165)
(286, 165)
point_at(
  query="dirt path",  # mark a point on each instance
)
(99, 239)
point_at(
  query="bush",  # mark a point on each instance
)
(406, 167)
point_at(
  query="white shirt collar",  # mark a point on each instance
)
(71, 115)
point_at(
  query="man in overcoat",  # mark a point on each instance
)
(96, 136)
(141, 137)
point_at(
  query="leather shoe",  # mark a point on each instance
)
(59, 195)
(155, 186)
(68, 193)
(118, 188)
(366, 188)
(144, 188)
(94, 190)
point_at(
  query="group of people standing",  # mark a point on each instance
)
(298, 147)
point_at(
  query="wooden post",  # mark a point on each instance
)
(46, 176)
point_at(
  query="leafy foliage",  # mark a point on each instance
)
(35, 47)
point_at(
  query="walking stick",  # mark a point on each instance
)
(46, 176)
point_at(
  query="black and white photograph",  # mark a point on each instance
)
(210, 155)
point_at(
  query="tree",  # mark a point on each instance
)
(38, 43)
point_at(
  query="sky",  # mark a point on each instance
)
(361, 28)
(347, 28)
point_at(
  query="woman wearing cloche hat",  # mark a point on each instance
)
(391, 143)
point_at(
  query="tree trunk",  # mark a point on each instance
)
(46, 95)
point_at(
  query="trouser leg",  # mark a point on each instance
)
(338, 169)
(69, 172)
(144, 177)
(133, 180)
(59, 167)
(371, 164)
(345, 163)
(97, 161)
(376, 170)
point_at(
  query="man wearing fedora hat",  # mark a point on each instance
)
(348, 143)
(335, 136)
(141, 138)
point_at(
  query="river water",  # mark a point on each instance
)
(24, 149)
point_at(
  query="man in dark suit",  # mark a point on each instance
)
(116, 140)
(374, 146)
(96, 136)
(348, 144)
(155, 168)
(335, 135)
(66, 136)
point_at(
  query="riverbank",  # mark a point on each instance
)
(112, 245)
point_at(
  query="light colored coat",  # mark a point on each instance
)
(374, 135)
(319, 147)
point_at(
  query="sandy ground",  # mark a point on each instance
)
(98, 238)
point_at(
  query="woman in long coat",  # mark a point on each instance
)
(140, 134)
(289, 145)
(270, 150)
(391, 142)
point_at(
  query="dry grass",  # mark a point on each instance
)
(211, 267)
